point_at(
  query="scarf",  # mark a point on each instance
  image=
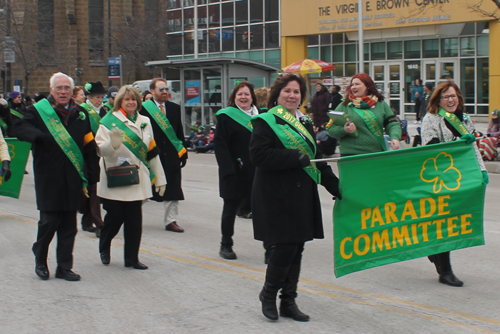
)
(251, 112)
(97, 109)
(133, 118)
(364, 102)
(460, 115)
(61, 110)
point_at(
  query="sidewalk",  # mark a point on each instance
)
(491, 166)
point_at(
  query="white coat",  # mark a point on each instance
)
(105, 150)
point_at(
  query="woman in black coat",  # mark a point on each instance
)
(319, 105)
(285, 201)
(231, 143)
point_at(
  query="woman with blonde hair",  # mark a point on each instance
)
(126, 138)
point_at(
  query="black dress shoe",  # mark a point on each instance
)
(42, 271)
(226, 252)
(98, 232)
(105, 257)
(89, 229)
(68, 275)
(449, 278)
(137, 265)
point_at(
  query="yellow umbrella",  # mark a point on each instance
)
(308, 66)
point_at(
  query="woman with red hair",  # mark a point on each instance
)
(368, 117)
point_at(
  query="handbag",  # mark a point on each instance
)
(123, 175)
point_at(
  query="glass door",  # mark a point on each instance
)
(387, 77)
(437, 71)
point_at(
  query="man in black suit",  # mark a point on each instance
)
(335, 97)
(173, 154)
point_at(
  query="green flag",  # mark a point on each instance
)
(406, 204)
(19, 152)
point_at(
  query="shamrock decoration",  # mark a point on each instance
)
(440, 171)
(82, 116)
(88, 86)
(143, 125)
(306, 120)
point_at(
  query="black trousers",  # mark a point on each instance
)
(91, 208)
(64, 223)
(227, 221)
(245, 206)
(286, 254)
(130, 215)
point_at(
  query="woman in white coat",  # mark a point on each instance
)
(119, 140)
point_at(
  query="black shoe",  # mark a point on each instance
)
(105, 257)
(226, 252)
(98, 232)
(89, 229)
(42, 271)
(449, 278)
(289, 309)
(247, 215)
(268, 301)
(68, 275)
(137, 265)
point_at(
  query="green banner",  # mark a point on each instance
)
(19, 152)
(405, 204)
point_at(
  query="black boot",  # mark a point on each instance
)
(275, 276)
(443, 268)
(288, 307)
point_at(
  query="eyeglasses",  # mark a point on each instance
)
(447, 97)
(164, 89)
(62, 88)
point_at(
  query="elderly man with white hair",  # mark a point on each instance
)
(63, 153)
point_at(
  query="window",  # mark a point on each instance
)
(214, 15)
(272, 35)
(449, 47)
(174, 19)
(483, 75)
(431, 48)
(483, 46)
(467, 77)
(378, 51)
(395, 50)
(242, 35)
(272, 10)
(96, 30)
(174, 44)
(256, 11)
(350, 52)
(467, 46)
(338, 53)
(46, 28)
(412, 49)
(241, 11)
(214, 40)
(227, 14)
(257, 36)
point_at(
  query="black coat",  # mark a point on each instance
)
(168, 154)
(231, 142)
(335, 99)
(57, 183)
(285, 200)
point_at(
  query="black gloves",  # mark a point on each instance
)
(183, 160)
(304, 160)
(6, 173)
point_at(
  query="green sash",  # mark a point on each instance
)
(290, 138)
(131, 140)
(3, 125)
(62, 137)
(108, 106)
(164, 124)
(238, 116)
(450, 117)
(16, 113)
(94, 117)
(371, 121)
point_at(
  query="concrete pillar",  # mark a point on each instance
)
(293, 49)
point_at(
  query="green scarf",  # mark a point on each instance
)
(62, 137)
(450, 117)
(371, 122)
(164, 124)
(131, 140)
(289, 137)
(16, 113)
(238, 116)
(94, 117)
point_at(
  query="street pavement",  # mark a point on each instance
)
(190, 289)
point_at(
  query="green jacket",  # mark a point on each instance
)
(366, 142)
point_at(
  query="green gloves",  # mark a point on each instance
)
(486, 178)
(468, 138)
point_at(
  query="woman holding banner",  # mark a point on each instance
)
(285, 202)
(367, 117)
(126, 138)
(447, 121)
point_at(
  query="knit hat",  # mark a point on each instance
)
(14, 94)
(494, 113)
(94, 88)
(112, 91)
(429, 85)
